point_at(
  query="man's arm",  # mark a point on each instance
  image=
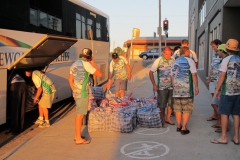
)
(195, 81)
(129, 71)
(209, 78)
(151, 76)
(38, 94)
(98, 72)
(109, 81)
(71, 81)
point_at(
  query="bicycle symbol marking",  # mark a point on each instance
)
(144, 150)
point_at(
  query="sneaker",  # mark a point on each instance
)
(44, 125)
(39, 121)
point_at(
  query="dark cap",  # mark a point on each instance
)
(87, 53)
(115, 55)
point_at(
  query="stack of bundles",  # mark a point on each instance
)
(99, 119)
(149, 117)
(122, 122)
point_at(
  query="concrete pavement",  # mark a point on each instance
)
(57, 142)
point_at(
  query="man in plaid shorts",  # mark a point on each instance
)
(184, 74)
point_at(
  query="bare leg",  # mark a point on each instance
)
(236, 128)
(45, 113)
(215, 109)
(163, 117)
(185, 118)
(40, 111)
(117, 93)
(122, 93)
(224, 123)
(169, 112)
(178, 116)
(78, 127)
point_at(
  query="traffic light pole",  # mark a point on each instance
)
(160, 30)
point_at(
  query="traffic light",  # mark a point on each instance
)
(165, 25)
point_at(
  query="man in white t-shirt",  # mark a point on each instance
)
(44, 96)
(164, 84)
(229, 86)
(192, 54)
(120, 71)
(78, 81)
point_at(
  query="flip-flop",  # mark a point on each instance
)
(235, 142)
(83, 142)
(217, 142)
(215, 126)
(211, 119)
(170, 123)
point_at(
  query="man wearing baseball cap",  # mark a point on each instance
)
(229, 86)
(120, 70)
(78, 80)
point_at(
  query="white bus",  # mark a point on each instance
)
(38, 33)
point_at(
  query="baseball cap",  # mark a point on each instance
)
(222, 47)
(114, 55)
(87, 53)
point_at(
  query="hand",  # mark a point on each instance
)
(155, 88)
(129, 76)
(35, 100)
(196, 91)
(109, 85)
(208, 81)
(217, 94)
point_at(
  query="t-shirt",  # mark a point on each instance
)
(215, 66)
(41, 80)
(163, 68)
(119, 69)
(193, 55)
(231, 83)
(182, 69)
(80, 70)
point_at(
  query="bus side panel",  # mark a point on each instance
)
(3, 96)
(59, 73)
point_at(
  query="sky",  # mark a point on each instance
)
(143, 14)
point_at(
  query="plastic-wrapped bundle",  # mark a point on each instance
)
(95, 93)
(109, 94)
(121, 122)
(149, 117)
(99, 120)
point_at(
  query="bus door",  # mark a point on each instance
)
(3, 96)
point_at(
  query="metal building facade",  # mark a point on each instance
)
(209, 20)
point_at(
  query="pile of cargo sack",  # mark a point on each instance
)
(109, 113)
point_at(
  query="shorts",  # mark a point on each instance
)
(165, 98)
(46, 100)
(81, 105)
(183, 104)
(212, 86)
(215, 100)
(120, 84)
(229, 105)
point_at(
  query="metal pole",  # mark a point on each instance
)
(165, 39)
(130, 56)
(160, 30)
